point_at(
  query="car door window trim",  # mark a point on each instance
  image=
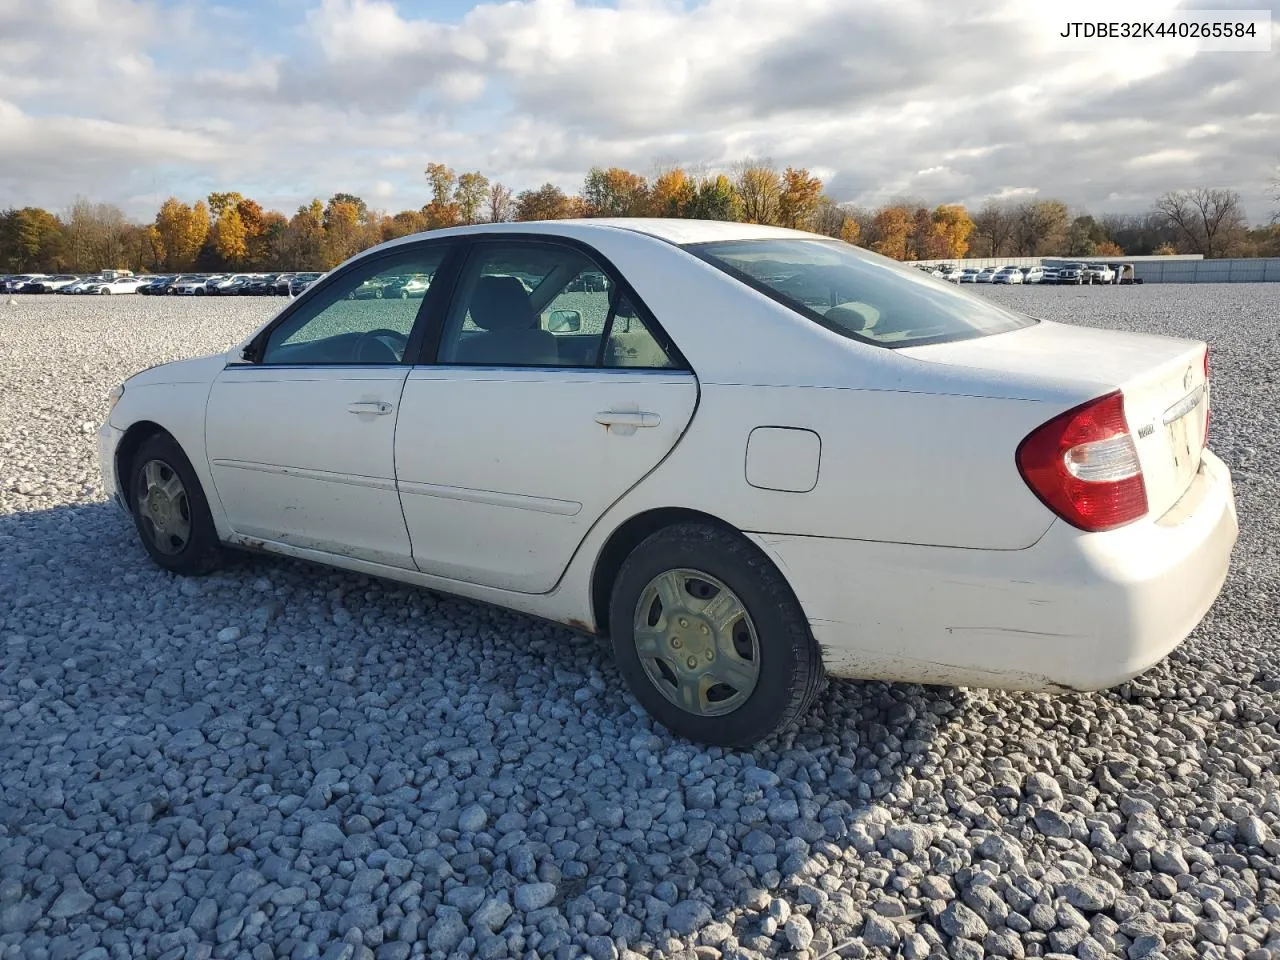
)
(471, 247)
(422, 320)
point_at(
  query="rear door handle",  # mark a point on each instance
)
(377, 408)
(627, 418)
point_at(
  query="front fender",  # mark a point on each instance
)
(179, 410)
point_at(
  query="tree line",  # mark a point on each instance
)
(229, 231)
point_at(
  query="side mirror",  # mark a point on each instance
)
(564, 321)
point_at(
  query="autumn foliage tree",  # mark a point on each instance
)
(891, 231)
(759, 188)
(181, 231)
(799, 198)
(548, 202)
(230, 231)
(673, 192)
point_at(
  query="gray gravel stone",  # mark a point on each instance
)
(1089, 893)
(687, 916)
(534, 896)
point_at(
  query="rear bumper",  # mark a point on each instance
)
(1075, 611)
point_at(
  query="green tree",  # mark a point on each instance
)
(30, 239)
(219, 202)
(470, 195)
(443, 210)
(615, 193)
(304, 242)
(716, 198)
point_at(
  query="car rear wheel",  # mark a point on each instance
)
(170, 510)
(710, 638)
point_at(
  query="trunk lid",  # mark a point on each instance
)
(1166, 396)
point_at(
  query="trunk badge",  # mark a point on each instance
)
(1146, 430)
(1186, 379)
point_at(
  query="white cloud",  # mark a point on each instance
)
(939, 99)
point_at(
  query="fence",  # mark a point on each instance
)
(1242, 270)
(1184, 268)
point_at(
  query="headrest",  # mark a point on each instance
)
(501, 303)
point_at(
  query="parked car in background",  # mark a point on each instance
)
(81, 286)
(281, 286)
(50, 284)
(17, 284)
(259, 286)
(968, 275)
(197, 286)
(301, 281)
(953, 273)
(1007, 275)
(106, 287)
(229, 285)
(156, 285)
(1100, 273)
(1032, 274)
(406, 287)
(1044, 512)
(232, 286)
(1076, 273)
(1049, 275)
(986, 275)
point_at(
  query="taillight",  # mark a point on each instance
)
(1206, 396)
(1084, 466)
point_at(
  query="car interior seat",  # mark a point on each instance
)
(510, 333)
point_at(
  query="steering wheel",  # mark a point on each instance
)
(374, 346)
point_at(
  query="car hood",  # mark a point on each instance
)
(197, 370)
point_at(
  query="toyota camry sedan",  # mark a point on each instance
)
(748, 456)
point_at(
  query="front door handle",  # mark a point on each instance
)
(377, 408)
(627, 418)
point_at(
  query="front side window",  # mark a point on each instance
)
(543, 305)
(859, 294)
(363, 316)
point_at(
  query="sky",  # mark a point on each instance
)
(132, 101)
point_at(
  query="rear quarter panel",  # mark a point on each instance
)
(895, 467)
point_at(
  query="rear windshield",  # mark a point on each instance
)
(859, 294)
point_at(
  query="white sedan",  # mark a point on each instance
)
(750, 457)
(118, 285)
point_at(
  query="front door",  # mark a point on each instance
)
(301, 442)
(552, 397)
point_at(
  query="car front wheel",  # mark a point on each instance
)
(710, 638)
(170, 510)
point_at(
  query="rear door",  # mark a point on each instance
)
(554, 393)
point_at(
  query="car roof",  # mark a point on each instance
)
(672, 230)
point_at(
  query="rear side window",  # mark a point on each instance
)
(859, 294)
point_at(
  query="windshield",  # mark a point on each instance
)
(859, 294)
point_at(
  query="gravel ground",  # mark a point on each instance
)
(281, 761)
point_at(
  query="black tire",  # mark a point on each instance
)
(202, 551)
(790, 672)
